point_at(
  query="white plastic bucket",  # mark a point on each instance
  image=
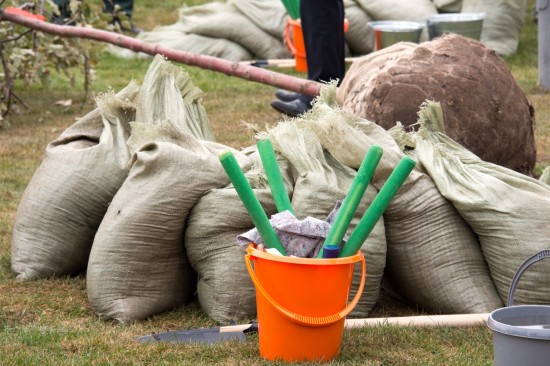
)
(521, 334)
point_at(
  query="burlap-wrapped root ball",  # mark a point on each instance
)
(484, 107)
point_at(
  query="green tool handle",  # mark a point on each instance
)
(378, 206)
(353, 198)
(250, 201)
(274, 178)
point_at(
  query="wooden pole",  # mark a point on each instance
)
(241, 70)
(450, 320)
(543, 9)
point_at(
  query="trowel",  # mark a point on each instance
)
(203, 335)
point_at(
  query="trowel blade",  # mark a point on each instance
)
(205, 336)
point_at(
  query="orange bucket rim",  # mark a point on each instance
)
(251, 249)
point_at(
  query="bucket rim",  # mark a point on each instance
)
(455, 17)
(496, 324)
(396, 26)
(251, 249)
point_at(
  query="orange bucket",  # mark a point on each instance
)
(294, 40)
(302, 304)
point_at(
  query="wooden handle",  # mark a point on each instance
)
(454, 320)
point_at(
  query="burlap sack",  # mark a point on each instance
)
(502, 23)
(168, 94)
(413, 10)
(222, 20)
(174, 36)
(448, 6)
(433, 257)
(269, 16)
(225, 291)
(68, 195)
(508, 211)
(319, 182)
(545, 177)
(137, 266)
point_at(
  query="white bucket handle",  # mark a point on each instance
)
(537, 257)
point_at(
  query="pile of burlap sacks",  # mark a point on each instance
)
(133, 195)
(241, 30)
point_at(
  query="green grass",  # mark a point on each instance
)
(523, 63)
(49, 322)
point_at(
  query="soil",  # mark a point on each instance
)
(485, 109)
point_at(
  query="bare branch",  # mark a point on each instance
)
(18, 37)
(237, 69)
(21, 101)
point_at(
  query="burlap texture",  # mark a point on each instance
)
(69, 193)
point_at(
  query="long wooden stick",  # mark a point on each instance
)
(241, 70)
(453, 320)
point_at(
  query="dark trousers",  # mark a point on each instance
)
(323, 28)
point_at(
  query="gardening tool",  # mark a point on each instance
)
(250, 201)
(378, 206)
(239, 332)
(521, 334)
(205, 335)
(274, 178)
(353, 198)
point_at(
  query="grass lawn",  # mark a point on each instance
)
(49, 321)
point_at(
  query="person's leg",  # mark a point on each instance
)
(61, 2)
(126, 6)
(323, 28)
(64, 12)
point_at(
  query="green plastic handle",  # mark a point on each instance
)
(274, 177)
(378, 206)
(353, 198)
(250, 201)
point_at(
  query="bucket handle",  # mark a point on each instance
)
(288, 40)
(310, 320)
(537, 257)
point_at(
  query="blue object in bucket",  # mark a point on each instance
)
(521, 334)
(331, 251)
